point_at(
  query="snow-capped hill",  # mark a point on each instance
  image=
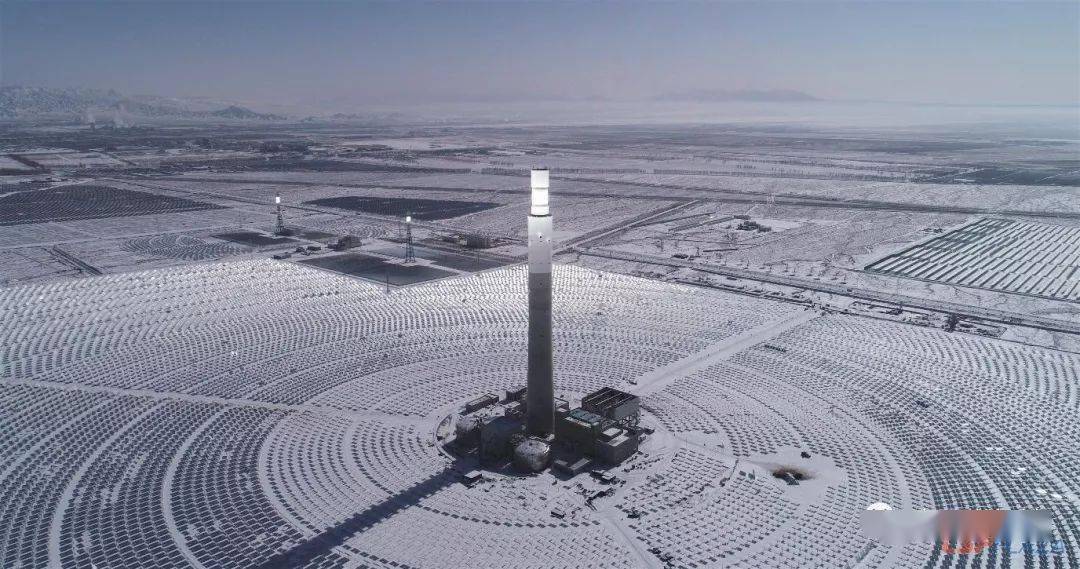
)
(744, 95)
(92, 105)
(241, 113)
(35, 101)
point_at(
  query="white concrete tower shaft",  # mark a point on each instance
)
(540, 389)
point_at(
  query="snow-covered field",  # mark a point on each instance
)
(61, 159)
(11, 164)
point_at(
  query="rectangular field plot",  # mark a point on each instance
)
(996, 254)
(420, 208)
(457, 261)
(83, 201)
(71, 159)
(11, 165)
(252, 239)
(377, 269)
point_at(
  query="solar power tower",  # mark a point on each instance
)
(280, 229)
(540, 392)
(410, 254)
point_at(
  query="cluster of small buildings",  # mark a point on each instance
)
(603, 429)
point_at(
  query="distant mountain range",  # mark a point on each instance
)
(109, 106)
(106, 107)
(745, 95)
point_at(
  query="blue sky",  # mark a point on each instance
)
(353, 52)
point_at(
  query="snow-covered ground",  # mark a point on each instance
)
(11, 164)
(223, 408)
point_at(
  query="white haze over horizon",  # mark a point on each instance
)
(318, 57)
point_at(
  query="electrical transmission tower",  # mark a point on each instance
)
(410, 255)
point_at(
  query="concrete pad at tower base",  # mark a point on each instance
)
(452, 260)
(378, 269)
(253, 239)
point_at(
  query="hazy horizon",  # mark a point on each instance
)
(344, 56)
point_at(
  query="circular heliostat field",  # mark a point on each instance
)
(265, 414)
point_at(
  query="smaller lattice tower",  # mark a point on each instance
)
(280, 228)
(410, 254)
